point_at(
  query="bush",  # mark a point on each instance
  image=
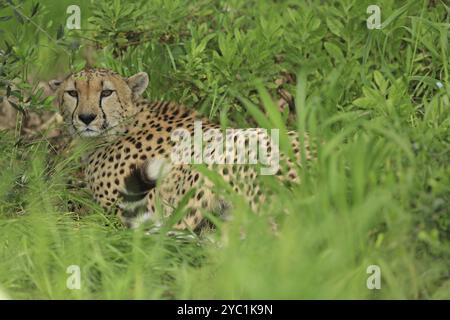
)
(378, 100)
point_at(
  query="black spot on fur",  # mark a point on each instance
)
(137, 185)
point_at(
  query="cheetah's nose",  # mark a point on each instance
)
(87, 118)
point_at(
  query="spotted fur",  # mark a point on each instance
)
(131, 170)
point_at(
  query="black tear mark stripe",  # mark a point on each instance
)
(76, 106)
(120, 101)
(104, 125)
(61, 100)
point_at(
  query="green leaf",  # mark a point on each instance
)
(380, 81)
(256, 113)
(363, 102)
(335, 26)
(60, 32)
(334, 51)
(18, 17)
(179, 213)
(34, 9)
(397, 13)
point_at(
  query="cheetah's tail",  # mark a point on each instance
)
(137, 185)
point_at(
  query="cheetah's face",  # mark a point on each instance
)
(96, 101)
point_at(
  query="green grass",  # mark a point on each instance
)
(378, 194)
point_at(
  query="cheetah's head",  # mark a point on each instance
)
(95, 101)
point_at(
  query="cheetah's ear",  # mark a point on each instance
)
(54, 84)
(138, 83)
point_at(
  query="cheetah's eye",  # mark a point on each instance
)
(72, 93)
(106, 93)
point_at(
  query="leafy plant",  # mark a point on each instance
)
(375, 101)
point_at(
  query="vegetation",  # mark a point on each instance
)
(376, 99)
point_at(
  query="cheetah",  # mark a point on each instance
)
(131, 170)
